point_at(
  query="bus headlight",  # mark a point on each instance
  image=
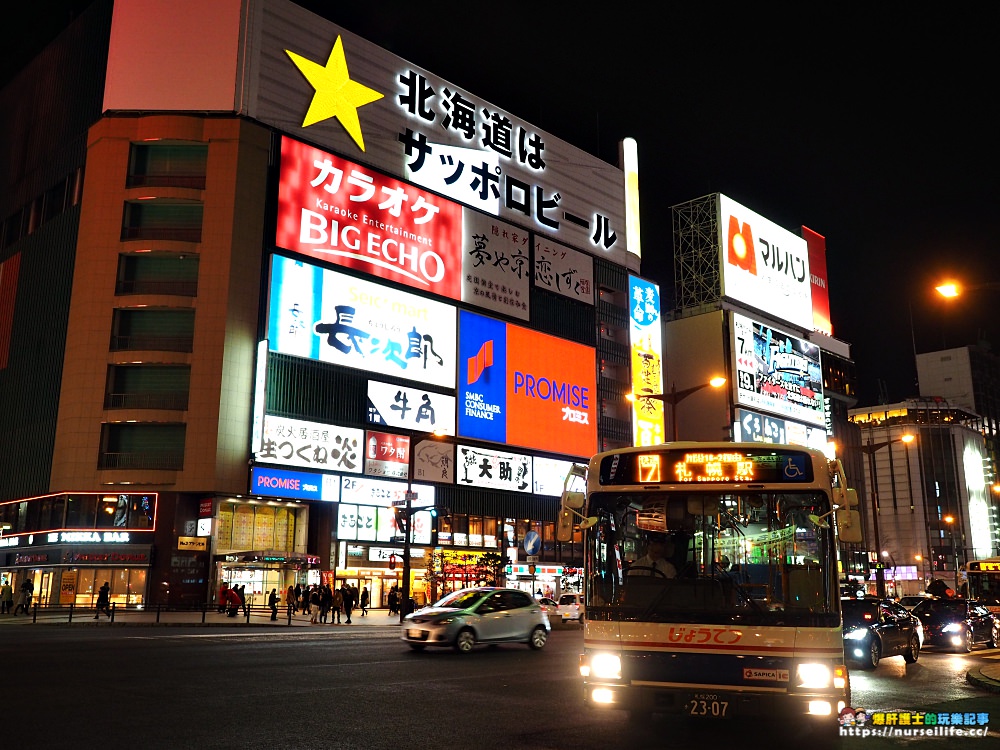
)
(812, 675)
(605, 666)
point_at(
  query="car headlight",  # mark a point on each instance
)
(811, 675)
(953, 627)
(858, 634)
(604, 666)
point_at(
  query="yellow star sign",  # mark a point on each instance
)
(336, 94)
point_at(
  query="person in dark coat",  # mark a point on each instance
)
(104, 601)
(365, 599)
(272, 602)
(345, 591)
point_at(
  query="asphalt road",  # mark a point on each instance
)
(345, 687)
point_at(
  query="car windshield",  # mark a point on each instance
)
(942, 609)
(459, 599)
(859, 613)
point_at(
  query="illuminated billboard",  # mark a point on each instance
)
(493, 469)
(646, 346)
(818, 281)
(763, 265)
(310, 445)
(776, 372)
(525, 388)
(331, 317)
(410, 408)
(563, 270)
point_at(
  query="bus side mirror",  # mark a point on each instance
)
(849, 519)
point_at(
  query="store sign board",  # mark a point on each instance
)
(331, 317)
(777, 372)
(310, 445)
(562, 270)
(763, 265)
(500, 470)
(410, 408)
(296, 485)
(382, 492)
(646, 356)
(525, 388)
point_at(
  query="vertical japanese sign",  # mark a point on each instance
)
(495, 267)
(646, 346)
(777, 372)
(525, 388)
(563, 270)
(331, 317)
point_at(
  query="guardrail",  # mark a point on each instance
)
(153, 614)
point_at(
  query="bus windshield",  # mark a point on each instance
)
(745, 557)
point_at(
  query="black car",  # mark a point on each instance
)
(958, 623)
(877, 628)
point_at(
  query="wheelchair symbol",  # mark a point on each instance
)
(792, 470)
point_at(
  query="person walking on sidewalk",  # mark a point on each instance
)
(272, 602)
(6, 599)
(337, 604)
(345, 591)
(290, 600)
(104, 601)
(365, 599)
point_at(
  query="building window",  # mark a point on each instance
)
(138, 446)
(158, 273)
(162, 220)
(148, 387)
(167, 164)
(166, 330)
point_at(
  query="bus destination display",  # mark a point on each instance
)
(692, 467)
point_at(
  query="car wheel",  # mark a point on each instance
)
(912, 652)
(874, 654)
(967, 646)
(464, 641)
(995, 636)
(538, 638)
(418, 646)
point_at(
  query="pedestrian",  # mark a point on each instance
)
(325, 602)
(298, 596)
(314, 605)
(104, 601)
(243, 599)
(234, 602)
(345, 591)
(24, 594)
(6, 598)
(336, 604)
(365, 599)
(223, 596)
(393, 600)
(272, 602)
(290, 600)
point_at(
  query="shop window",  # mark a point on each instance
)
(158, 273)
(167, 164)
(460, 530)
(138, 446)
(170, 330)
(148, 387)
(475, 531)
(81, 511)
(490, 536)
(157, 219)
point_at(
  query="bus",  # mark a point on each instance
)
(743, 617)
(983, 577)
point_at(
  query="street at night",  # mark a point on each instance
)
(359, 686)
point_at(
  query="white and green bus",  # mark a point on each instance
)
(711, 581)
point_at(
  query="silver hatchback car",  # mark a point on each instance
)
(478, 615)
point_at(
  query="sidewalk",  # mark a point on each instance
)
(986, 677)
(259, 617)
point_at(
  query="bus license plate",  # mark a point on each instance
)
(707, 705)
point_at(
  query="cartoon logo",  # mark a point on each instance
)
(477, 365)
(336, 95)
(741, 251)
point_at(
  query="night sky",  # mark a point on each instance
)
(874, 126)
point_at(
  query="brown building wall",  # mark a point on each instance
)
(218, 417)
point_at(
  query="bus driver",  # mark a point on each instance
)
(659, 550)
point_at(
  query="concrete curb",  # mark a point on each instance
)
(977, 678)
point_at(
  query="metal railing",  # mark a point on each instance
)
(152, 614)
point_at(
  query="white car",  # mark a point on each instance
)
(571, 607)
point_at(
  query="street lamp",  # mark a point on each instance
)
(870, 448)
(675, 396)
(952, 289)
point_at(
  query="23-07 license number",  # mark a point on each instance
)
(707, 705)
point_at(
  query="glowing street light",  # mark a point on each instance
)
(675, 396)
